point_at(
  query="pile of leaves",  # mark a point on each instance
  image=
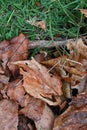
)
(32, 90)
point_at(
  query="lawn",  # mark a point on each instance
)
(62, 18)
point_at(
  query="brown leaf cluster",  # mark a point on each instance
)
(28, 89)
(75, 117)
(73, 67)
(27, 84)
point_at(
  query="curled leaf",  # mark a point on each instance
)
(84, 11)
(38, 82)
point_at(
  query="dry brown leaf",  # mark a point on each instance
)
(8, 115)
(74, 71)
(75, 117)
(25, 100)
(13, 50)
(40, 24)
(56, 62)
(34, 109)
(80, 47)
(15, 92)
(46, 121)
(82, 86)
(38, 82)
(70, 63)
(84, 11)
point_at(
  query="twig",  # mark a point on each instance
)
(48, 44)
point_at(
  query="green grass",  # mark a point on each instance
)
(61, 16)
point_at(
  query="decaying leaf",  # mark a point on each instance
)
(75, 117)
(46, 121)
(15, 92)
(8, 115)
(13, 50)
(80, 47)
(40, 24)
(73, 63)
(34, 109)
(84, 11)
(38, 82)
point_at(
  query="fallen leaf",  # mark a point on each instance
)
(40, 24)
(75, 117)
(67, 67)
(82, 86)
(15, 92)
(39, 83)
(8, 115)
(46, 121)
(84, 11)
(34, 109)
(80, 47)
(13, 50)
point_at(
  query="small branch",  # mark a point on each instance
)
(48, 44)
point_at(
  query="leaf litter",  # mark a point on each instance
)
(30, 88)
